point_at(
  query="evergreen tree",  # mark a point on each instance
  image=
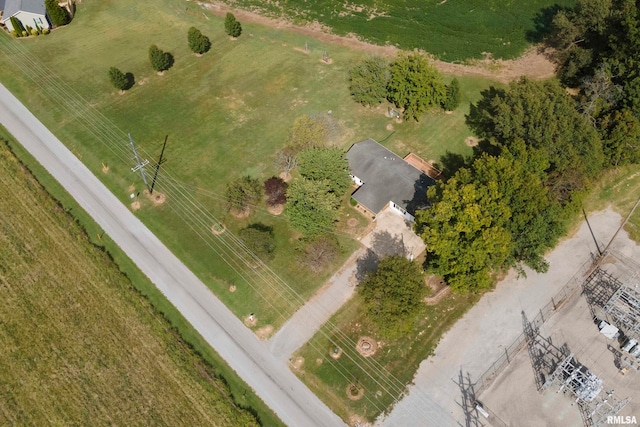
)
(232, 26)
(160, 61)
(58, 14)
(198, 42)
(452, 98)
(118, 79)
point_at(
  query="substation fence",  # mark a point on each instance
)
(557, 301)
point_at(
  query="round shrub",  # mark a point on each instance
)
(34, 32)
(14, 33)
(45, 31)
(25, 34)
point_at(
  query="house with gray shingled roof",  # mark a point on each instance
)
(386, 179)
(29, 12)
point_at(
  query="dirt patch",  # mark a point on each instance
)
(318, 361)
(367, 346)
(354, 392)
(286, 177)
(143, 81)
(232, 288)
(352, 222)
(275, 210)
(121, 92)
(250, 320)
(105, 169)
(157, 198)
(435, 299)
(265, 332)
(533, 63)
(297, 363)
(160, 73)
(335, 352)
(358, 421)
(389, 126)
(135, 205)
(298, 49)
(471, 141)
(240, 214)
(218, 229)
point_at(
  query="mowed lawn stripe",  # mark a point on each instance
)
(78, 345)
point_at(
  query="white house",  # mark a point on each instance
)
(385, 179)
(29, 12)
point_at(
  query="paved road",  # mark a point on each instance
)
(269, 377)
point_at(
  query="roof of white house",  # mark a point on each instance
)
(11, 7)
(387, 177)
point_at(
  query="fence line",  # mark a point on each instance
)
(544, 314)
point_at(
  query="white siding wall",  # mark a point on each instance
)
(357, 180)
(402, 211)
(28, 18)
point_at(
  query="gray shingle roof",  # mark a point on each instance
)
(11, 7)
(1, 5)
(387, 177)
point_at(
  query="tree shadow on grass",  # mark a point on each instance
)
(383, 244)
(543, 23)
(130, 81)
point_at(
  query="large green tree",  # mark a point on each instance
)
(621, 142)
(259, 238)
(393, 295)
(58, 14)
(368, 80)
(544, 116)
(465, 231)
(198, 42)
(243, 194)
(415, 85)
(328, 164)
(309, 132)
(312, 208)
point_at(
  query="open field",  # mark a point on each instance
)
(453, 30)
(79, 344)
(226, 114)
(381, 376)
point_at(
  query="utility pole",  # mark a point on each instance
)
(139, 164)
(160, 161)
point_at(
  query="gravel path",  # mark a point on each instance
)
(269, 377)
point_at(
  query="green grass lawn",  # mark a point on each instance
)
(619, 189)
(453, 30)
(226, 115)
(393, 365)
